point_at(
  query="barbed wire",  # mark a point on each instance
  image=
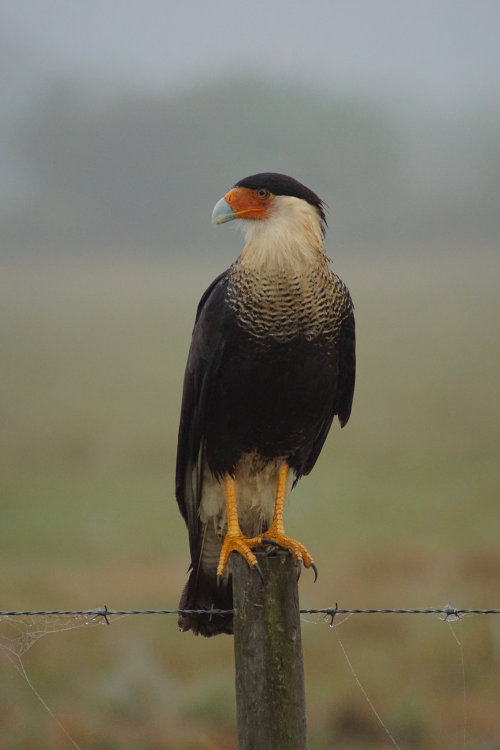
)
(448, 612)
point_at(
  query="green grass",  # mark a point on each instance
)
(401, 511)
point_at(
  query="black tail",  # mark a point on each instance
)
(201, 592)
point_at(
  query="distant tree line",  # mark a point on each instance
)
(139, 171)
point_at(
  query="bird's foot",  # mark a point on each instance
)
(242, 545)
(301, 556)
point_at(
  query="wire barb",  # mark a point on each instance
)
(102, 613)
(332, 613)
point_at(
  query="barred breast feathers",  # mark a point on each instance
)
(281, 285)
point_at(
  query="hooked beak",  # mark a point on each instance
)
(222, 212)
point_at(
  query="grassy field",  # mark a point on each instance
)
(402, 510)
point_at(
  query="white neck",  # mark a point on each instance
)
(290, 239)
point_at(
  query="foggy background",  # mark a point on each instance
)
(121, 125)
(123, 122)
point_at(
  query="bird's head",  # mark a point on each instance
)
(277, 214)
(260, 196)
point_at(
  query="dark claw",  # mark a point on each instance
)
(272, 543)
(219, 582)
(313, 566)
(259, 571)
(299, 568)
(271, 549)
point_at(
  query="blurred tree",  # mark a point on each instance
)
(137, 170)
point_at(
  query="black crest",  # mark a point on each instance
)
(282, 184)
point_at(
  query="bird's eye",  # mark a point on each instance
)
(263, 193)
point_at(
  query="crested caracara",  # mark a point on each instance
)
(272, 361)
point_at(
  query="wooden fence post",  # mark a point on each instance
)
(270, 699)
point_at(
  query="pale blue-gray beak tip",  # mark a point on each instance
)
(222, 212)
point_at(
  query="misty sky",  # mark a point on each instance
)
(444, 50)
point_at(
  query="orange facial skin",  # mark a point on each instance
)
(249, 204)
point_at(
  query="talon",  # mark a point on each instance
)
(259, 571)
(313, 566)
(272, 543)
(271, 549)
(277, 539)
(237, 543)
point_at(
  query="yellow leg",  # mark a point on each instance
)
(276, 531)
(234, 540)
(279, 504)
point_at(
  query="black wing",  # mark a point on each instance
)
(347, 369)
(344, 392)
(204, 357)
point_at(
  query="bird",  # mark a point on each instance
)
(271, 363)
